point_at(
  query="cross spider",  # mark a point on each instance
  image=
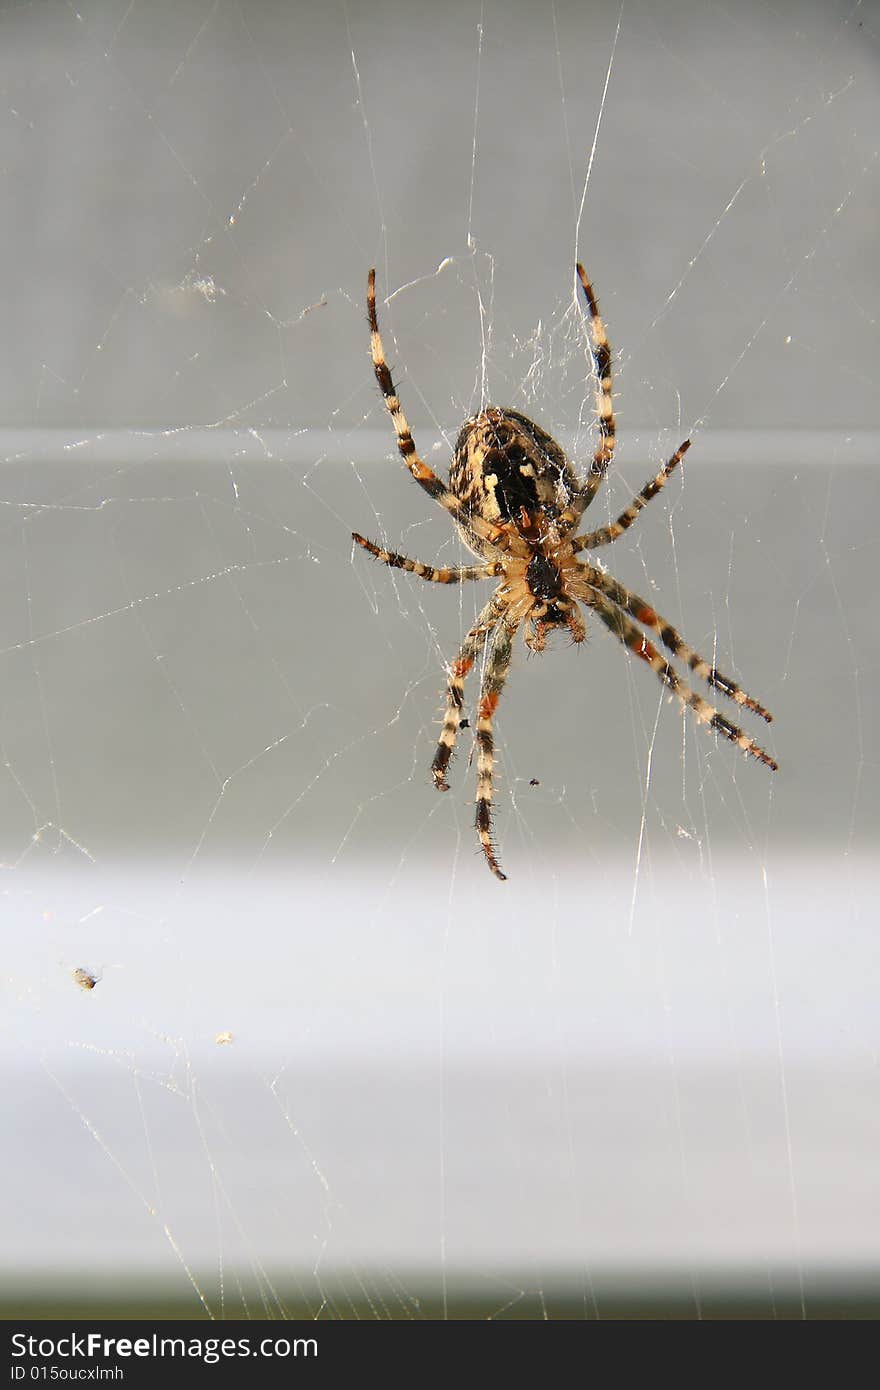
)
(517, 504)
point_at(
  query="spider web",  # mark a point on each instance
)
(327, 1064)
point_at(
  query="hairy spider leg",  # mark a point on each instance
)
(424, 476)
(606, 534)
(636, 642)
(601, 354)
(455, 574)
(497, 667)
(671, 639)
(458, 672)
(508, 548)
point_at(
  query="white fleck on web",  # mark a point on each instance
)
(326, 1065)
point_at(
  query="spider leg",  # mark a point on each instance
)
(424, 476)
(671, 639)
(493, 682)
(606, 534)
(635, 641)
(445, 575)
(601, 354)
(458, 673)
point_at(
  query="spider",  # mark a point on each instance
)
(517, 503)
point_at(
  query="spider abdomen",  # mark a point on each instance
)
(505, 465)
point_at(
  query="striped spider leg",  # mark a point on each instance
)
(606, 534)
(497, 667)
(517, 501)
(600, 351)
(494, 635)
(423, 474)
(672, 640)
(478, 637)
(444, 574)
(636, 642)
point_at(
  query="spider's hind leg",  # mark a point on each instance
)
(424, 476)
(600, 351)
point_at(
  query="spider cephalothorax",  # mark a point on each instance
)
(517, 503)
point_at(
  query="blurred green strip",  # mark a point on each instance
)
(385, 1298)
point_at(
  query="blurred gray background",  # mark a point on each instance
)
(653, 1051)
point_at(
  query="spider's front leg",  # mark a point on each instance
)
(671, 639)
(458, 673)
(497, 668)
(635, 641)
